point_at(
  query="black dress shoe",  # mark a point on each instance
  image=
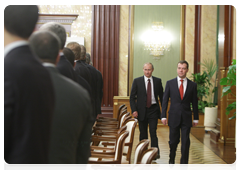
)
(171, 161)
(157, 157)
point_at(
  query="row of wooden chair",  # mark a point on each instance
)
(112, 141)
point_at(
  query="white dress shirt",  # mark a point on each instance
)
(146, 84)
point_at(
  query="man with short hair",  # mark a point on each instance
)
(182, 93)
(63, 65)
(145, 104)
(28, 91)
(88, 59)
(72, 124)
(86, 71)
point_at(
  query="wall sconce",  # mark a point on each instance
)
(157, 40)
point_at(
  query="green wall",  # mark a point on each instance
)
(144, 15)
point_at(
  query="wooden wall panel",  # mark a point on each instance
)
(227, 127)
(225, 45)
(105, 49)
(197, 37)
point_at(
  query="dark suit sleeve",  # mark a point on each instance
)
(161, 92)
(195, 102)
(165, 100)
(9, 101)
(83, 149)
(133, 96)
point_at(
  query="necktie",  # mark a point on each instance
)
(149, 94)
(181, 89)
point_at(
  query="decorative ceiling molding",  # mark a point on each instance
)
(65, 19)
(60, 18)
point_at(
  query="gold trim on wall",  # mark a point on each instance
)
(130, 80)
(182, 57)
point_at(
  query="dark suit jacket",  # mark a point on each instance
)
(99, 91)
(65, 68)
(81, 81)
(90, 74)
(138, 93)
(72, 124)
(82, 70)
(180, 108)
(28, 108)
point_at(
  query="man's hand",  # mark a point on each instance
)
(135, 114)
(195, 124)
(164, 121)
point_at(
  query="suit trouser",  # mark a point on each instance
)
(151, 119)
(174, 137)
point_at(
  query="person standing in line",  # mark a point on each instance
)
(71, 57)
(64, 66)
(28, 91)
(86, 71)
(72, 126)
(88, 59)
(99, 85)
(182, 92)
(145, 104)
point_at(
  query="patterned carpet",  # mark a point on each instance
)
(199, 153)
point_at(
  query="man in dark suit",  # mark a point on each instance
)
(182, 92)
(86, 71)
(145, 104)
(28, 91)
(72, 125)
(71, 57)
(99, 85)
(63, 65)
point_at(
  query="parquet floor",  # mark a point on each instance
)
(201, 149)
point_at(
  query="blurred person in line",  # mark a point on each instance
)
(72, 126)
(88, 59)
(28, 91)
(99, 85)
(86, 71)
(64, 67)
(71, 57)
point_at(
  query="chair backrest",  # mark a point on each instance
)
(131, 125)
(123, 119)
(149, 155)
(122, 114)
(140, 148)
(119, 146)
(120, 110)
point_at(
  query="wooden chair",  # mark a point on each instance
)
(122, 107)
(144, 155)
(148, 156)
(131, 125)
(107, 129)
(109, 155)
(112, 126)
(106, 133)
(140, 148)
(112, 122)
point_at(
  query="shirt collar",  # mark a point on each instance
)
(146, 79)
(181, 78)
(45, 64)
(13, 45)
